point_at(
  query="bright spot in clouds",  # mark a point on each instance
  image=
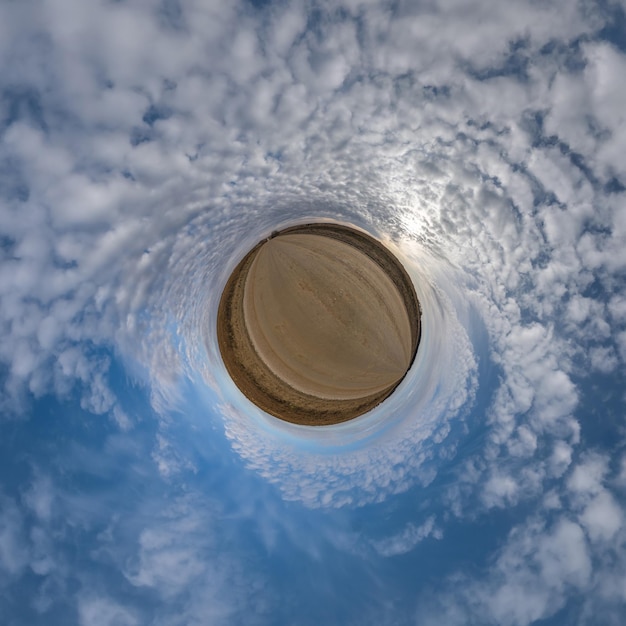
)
(145, 147)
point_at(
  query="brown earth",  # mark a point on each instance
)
(318, 324)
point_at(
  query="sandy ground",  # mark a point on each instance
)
(318, 324)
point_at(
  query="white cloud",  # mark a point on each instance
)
(179, 557)
(598, 510)
(602, 517)
(588, 476)
(603, 359)
(500, 490)
(103, 611)
(560, 459)
(28, 547)
(617, 307)
(529, 580)
(541, 563)
(408, 538)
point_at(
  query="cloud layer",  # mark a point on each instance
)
(146, 146)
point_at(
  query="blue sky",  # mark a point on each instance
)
(145, 146)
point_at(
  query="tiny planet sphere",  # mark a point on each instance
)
(318, 324)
